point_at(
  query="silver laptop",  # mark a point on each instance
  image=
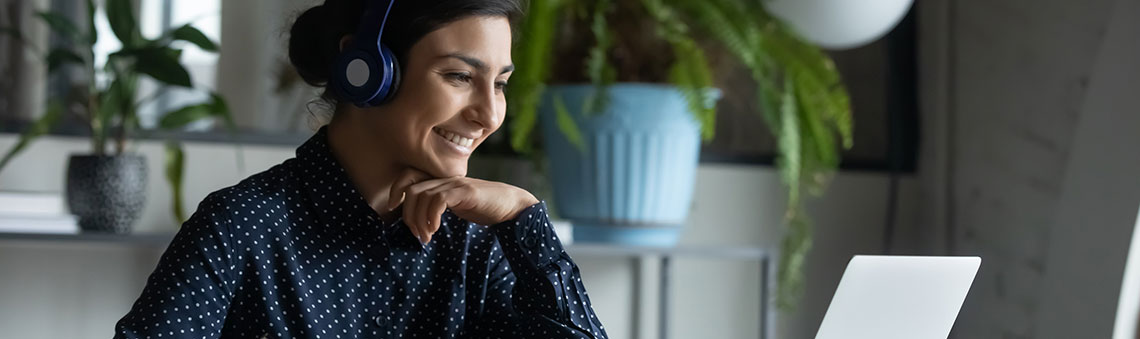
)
(895, 297)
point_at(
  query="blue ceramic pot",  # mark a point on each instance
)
(633, 182)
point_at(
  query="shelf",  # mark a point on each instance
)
(583, 250)
(139, 239)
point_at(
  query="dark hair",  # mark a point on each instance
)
(314, 41)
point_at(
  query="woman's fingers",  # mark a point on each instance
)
(417, 206)
(411, 219)
(441, 198)
(409, 177)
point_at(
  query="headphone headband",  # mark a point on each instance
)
(367, 73)
(375, 15)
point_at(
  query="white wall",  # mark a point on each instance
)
(1027, 112)
(1096, 215)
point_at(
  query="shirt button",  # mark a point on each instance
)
(531, 241)
(379, 319)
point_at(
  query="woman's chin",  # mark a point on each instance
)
(451, 170)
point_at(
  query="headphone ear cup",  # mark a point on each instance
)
(389, 76)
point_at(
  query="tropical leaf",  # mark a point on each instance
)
(62, 25)
(61, 56)
(92, 34)
(175, 161)
(192, 35)
(533, 59)
(163, 65)
(121, 16)
(599, 69)
(39, 128)
(568, 126)
(215, 108)
(790, 274)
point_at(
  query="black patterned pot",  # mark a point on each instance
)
(106, 193)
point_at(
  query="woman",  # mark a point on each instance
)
(373, 230)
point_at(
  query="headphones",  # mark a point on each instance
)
(367, 73)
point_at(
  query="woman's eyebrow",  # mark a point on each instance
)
(478, 64)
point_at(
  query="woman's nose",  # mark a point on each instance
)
(483, 110)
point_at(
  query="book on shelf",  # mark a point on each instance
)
(63, 224)
(35, 212)
(40, 204)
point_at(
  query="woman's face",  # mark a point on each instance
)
(451, 96)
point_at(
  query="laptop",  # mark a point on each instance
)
(897, 297)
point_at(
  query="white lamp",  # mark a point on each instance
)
(840, 24)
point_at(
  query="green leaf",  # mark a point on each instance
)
(92, 34)
(163, 65)
(534, 61)
(121, 15)
(568, 126)
(40, 127)
(192, 35)
(222, 109)
(215, 108)
(62, 25)
(60, 56)
(117, 100)
(794, 249)
(599, 69)
(184, 116)
(175, 161)
(789, 143)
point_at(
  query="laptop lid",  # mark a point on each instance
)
(898, 297)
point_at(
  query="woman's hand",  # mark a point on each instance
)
(425, 198)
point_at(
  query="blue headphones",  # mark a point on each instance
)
(367, 73)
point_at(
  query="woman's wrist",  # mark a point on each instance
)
(526, 200)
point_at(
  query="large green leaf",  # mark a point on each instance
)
(599, 69)
(533, 59)
(215, 108)
(92, 34)
(192, 35)
(61, 56)
(568, 126)
(117, 100)
(62, 25)
(121, 15)
(163, 65)
(175, 161)
(37, 129)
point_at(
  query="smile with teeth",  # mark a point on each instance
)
(454, 138)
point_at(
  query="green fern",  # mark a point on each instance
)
(799, 92)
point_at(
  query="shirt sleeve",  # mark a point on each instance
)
(534, 288)
(189, 292)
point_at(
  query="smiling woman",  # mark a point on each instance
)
(373, 229)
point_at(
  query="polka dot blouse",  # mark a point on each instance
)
(296, 252)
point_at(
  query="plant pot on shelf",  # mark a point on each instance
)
(106, 193)
(632, 183)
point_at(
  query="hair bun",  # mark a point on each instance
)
(307, 52)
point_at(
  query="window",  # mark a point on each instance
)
(156, 17)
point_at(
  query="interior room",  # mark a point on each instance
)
(777, 139)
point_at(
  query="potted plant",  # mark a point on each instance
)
(106, 188)
(624, 91)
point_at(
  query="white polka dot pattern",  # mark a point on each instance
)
(296, 252)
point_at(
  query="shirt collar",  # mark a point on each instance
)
(334, 197)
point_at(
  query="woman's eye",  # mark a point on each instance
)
(459, 77)
(500, 85)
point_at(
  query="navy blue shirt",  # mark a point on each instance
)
(296, 252)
